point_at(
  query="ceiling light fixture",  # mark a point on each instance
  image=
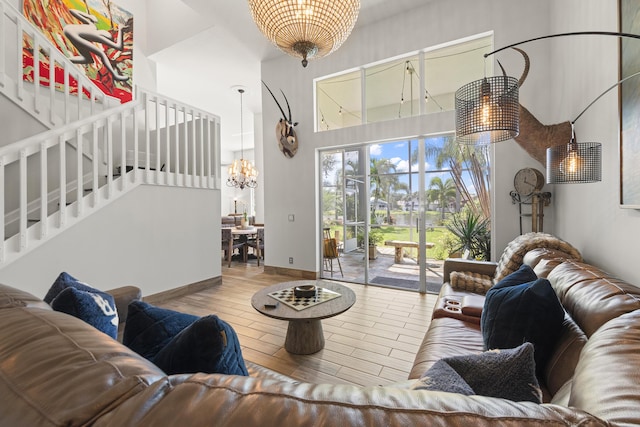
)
(306, 29)
(241, 172)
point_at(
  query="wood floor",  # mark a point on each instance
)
(373, 343)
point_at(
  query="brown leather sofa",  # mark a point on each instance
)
(56, 370)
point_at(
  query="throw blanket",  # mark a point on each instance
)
(511, 258)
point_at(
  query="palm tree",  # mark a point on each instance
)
(384, 184)
(441, 192)
(458, 157)
(379, 186)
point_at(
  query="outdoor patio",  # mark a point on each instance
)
(383, 271)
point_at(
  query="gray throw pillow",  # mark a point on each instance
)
(507, 374)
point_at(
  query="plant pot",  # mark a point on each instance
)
(373, 253)
(243, 223)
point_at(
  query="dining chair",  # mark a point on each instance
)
(258, 244)
(229, 244)
(330, 252)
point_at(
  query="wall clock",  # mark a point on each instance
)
(527, 181)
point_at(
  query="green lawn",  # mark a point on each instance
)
(436, 235)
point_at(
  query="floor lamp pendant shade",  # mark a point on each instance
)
(575, 162)
(306, 29)
(487, 110)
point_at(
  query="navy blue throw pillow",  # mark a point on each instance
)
(96, 308)
(63, 281)
(515, 313)
(89, 304)
(149, 328)
(524, 274)
(209, 345)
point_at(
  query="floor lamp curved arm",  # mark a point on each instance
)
(576, 33)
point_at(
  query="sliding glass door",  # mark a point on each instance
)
(389, 207)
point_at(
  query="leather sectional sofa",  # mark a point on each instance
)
(57, 370)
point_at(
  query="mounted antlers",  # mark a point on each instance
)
(535, 137)
(285, 134)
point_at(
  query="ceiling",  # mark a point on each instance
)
(214, 46)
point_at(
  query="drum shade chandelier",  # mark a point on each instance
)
(242, 173)
(306, 29)
(487, 111)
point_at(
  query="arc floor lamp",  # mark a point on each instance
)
(487, 111)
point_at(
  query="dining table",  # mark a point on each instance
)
(244, 234)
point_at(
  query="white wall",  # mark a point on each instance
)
(588, 215)
(291, 184)
(157, 238)
(144, 70)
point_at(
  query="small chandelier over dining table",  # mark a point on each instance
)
(241, 172)
(307, 29)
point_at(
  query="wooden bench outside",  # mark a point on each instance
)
(400, 244)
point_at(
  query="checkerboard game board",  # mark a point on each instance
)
(286, 296)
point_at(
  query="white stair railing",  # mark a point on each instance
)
(153, 140)
(51, 108)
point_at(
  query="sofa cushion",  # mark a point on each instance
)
(470, 281)
(149, 328)
(12, 297)
(57, 370)
(507, 374)
(517, 312)
(95, 308)
(591, 296)
(208, 345)
(543, 260)
(446, 337)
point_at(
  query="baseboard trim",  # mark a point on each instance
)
(302, 274)
(183, 290)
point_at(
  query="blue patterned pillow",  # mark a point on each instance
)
(63, 281)
(209, 345)
(96, 308)
(149, 328)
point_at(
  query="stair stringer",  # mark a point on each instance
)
(55, 224)
(124, 128)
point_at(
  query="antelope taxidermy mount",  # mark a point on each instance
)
(534, 137)
(285, 134)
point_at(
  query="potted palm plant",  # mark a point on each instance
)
(473, 234)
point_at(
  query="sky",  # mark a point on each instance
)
(399, 154)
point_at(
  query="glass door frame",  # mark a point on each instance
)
(364, 150)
